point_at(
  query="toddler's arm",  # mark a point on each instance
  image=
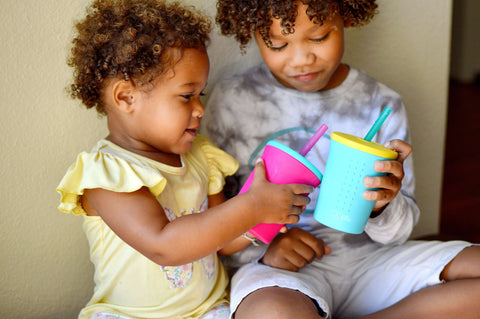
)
(139, 219)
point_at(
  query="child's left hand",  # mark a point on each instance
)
(390, 184)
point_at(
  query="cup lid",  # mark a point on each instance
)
(298, 157)
(364, 146)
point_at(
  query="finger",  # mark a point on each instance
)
(316, 245)
(306, 253)
(293, 218)
(296, 260)
(283, 230)
(401, 147)
(300, 200)
(301, 189)
(379, 195)
(391, 167)
(259, 171)
(388, 182)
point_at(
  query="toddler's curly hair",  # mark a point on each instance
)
(130, 39)
(240, 18)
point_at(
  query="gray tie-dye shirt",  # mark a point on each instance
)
(246, 110)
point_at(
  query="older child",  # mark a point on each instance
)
(303, 83)
(144, 190)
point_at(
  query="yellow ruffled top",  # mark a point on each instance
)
(126, 282)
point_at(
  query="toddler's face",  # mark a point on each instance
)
(308, 59)
(168, 116)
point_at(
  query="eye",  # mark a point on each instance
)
(187, 96)
(322, 38)
(278, 48)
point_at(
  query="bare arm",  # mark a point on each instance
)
(236, 244)
(140, 221)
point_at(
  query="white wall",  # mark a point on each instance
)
(46, 272)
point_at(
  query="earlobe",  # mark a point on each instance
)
(123, 93)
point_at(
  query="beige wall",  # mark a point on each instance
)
(45, 270)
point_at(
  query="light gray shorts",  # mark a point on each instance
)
(345, 286)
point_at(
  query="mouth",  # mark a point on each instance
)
(306, 77)
(192, 131)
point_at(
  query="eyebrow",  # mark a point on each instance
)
(192, 85)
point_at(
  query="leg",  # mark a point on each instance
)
(459, 297)
(277, 303)
(260, 291)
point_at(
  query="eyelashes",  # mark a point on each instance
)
(318, 40)
(189, 96)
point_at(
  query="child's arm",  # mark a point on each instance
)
(388, 185)
(236, 244)
(140, 221)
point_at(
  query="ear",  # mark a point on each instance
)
(124, 95)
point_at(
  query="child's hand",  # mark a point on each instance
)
(294, 250)
(281, 204)
(390, 184)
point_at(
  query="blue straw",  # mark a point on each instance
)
(378, 123)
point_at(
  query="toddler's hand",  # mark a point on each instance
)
(390, 184)
(294, 250)
(281, 204)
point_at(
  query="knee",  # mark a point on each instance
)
(464, 266)
(276, 303)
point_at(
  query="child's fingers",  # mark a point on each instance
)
(402, 148)
(317, 248)
(259, 170)
(300, 200)
(388, 182)
(381, 195)
(394, 168)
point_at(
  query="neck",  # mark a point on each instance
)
(338, 77)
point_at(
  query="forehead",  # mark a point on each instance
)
(189, 65)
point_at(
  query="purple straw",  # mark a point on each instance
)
(314, 139)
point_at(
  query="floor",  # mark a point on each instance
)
(460, 216)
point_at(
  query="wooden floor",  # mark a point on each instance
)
(460, 217)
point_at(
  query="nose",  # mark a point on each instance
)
(198, 109)
(301, 56)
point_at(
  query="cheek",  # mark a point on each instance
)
(335, 51)
(275, 62)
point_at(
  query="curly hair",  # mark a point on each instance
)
(130, 39)
(240, 18)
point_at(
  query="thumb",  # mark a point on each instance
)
(259, 170)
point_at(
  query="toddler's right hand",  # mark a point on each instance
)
(281, 204)
(294, 250)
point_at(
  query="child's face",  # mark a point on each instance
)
(168, 117)
(308, 59)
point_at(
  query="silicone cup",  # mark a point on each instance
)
(340, 203)
(283, 166)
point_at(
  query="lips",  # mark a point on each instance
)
(306, 77)
(192, 131)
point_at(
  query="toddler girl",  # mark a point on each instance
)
(151, 191)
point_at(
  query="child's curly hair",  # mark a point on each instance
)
(241, 18)
(130, 39)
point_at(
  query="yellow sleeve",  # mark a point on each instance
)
(220, 165)
(106, 171)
